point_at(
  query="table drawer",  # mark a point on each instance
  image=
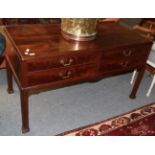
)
(125, 64)
(126, 53)
(61, 74)
(61, 61)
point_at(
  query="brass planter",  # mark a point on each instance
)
(79, 29)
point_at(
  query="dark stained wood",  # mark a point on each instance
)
(61, 74)
(61, 61)
(9, 79)
(24, 110)
(137, 83)
(55, 62)
(47, 39)
(150, 69)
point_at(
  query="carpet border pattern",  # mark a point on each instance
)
(109, 125)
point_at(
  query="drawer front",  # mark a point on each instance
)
(61, 61)
(61, 74)
(123, 59)
(125, 64)
(126, 53)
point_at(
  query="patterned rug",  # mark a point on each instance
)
(139, 122)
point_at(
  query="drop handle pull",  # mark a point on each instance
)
(127, 53)
(62, 62)
(65, 75)
(124, 64)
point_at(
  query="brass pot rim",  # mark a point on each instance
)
(69, 36)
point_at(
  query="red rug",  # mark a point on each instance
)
(139, 122)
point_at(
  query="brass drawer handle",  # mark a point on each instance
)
(62, 62)
(124, 64)
(127, 53)
(65, 75)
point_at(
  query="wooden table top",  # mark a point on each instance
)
(46, 39)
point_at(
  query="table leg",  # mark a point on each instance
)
(137, 83)
(9, 79)
(24, 111)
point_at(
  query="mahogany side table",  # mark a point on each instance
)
(40, 58)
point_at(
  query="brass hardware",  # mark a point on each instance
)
(124, 64)
(65, 75)
(62, 62)
(127, 53)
